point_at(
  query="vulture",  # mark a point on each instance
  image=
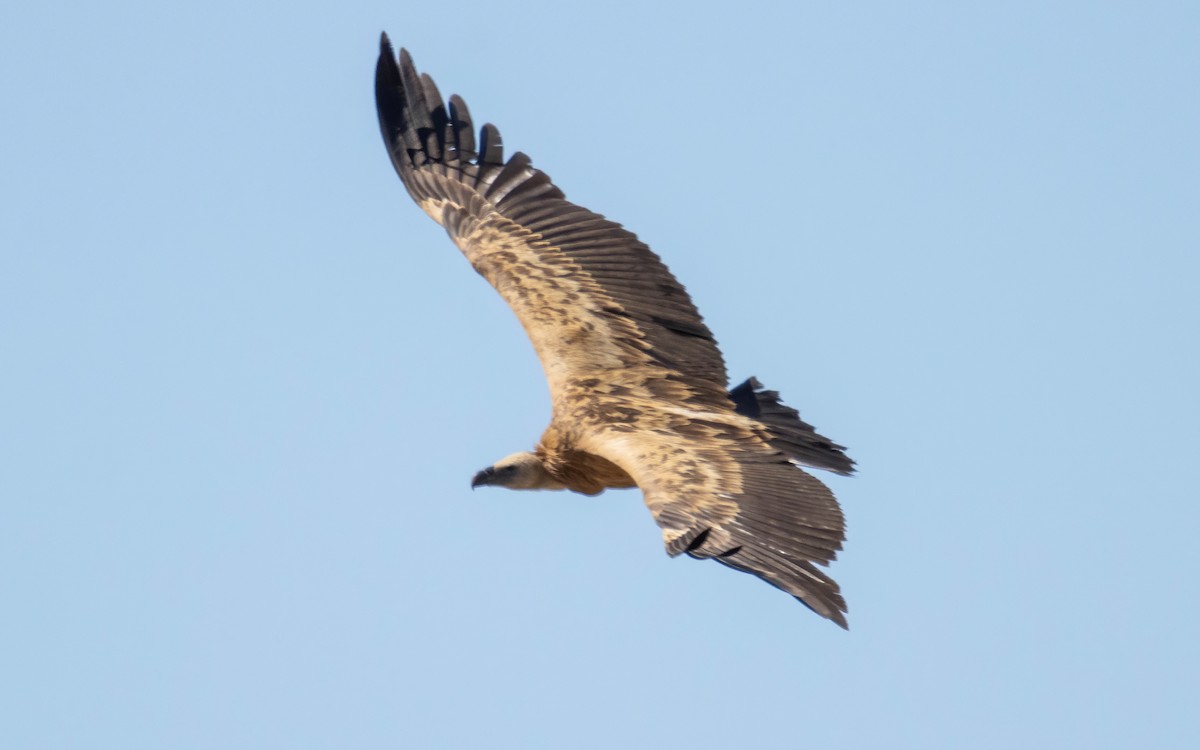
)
(638, 386)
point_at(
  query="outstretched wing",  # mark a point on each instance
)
(633, 371)
(593, 299)
(720, 492)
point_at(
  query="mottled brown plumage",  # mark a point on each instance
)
(638, 386)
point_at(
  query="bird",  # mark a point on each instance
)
(638, 386)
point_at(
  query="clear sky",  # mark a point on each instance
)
(244, 382)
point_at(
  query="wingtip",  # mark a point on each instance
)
(386, 72)
(835, 614)
(385, 48)
(839, 618)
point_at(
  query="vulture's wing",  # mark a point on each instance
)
(719, 491)
(631, 366)
(591, 296)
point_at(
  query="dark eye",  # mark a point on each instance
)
(509, 469)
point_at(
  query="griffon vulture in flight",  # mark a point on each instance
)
(637, 383)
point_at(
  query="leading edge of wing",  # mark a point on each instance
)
(448, 171)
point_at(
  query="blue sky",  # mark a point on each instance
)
(245, 382)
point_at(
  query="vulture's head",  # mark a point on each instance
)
(520, 471)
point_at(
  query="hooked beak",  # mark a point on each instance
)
(484, 477)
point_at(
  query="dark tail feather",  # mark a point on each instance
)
(789, 433)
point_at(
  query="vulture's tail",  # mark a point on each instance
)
(789, 433)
